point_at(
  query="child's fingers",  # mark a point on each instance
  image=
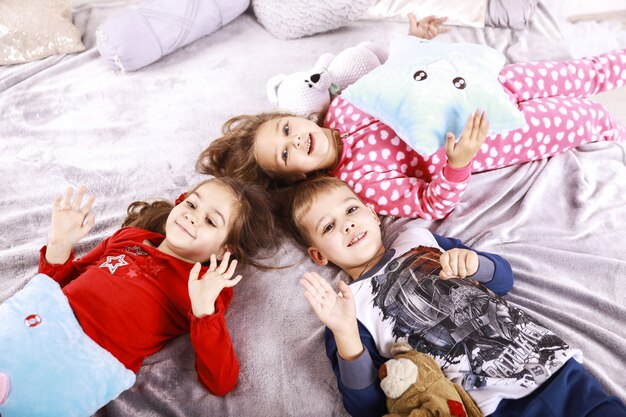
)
(78, 199)
(68, 198)
(224, 264)
(56, 205)
(90, 221)
(88, 205)
(450, 142)
(233, 282)
(469, 126)
(453, 263)
(315, 305)
(231, 269)
(476, 125)
(444, 261)
(345, 290)
(212, 263)
(484, 124)
(310, 283)
(319, 288)
(320, 283)
(412, 20)
(314, 296)
(461, 269)
(195, 271)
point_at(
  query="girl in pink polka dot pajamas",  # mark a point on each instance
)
(388, 174)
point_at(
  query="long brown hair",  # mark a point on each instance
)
(253, 229)
(234, 155)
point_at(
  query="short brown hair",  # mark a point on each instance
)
(253, 229)
(300, 199)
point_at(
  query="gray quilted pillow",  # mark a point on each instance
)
(291, 19)
(514, 14)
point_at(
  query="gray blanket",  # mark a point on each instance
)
(72, 120)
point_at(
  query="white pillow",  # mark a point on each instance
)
(292, 19)
(459, 12)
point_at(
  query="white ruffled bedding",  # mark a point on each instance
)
(73, 120)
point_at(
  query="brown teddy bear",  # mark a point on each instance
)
(415, 386)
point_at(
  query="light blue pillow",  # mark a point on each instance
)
(54, 368)
(426, 89)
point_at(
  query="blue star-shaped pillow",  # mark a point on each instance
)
(426, 89)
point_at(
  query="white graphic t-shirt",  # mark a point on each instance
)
(493, 350)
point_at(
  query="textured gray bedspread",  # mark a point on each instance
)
(71, 120)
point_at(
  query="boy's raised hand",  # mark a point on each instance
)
(71, 221)
(458, 263)
(461, 153)
(336, 311)
(203, 291)
(426, 28)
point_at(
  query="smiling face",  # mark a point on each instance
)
(342, 230)
(294, 146)
(197, 227)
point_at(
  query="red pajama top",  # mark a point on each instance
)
(386, 173)
(132, 299)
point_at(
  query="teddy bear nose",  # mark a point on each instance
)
(315, 77)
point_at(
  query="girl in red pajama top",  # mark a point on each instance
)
(277, 148)
(139, 289)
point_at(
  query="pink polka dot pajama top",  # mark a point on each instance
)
(397, 181)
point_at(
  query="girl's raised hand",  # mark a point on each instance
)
(461, 153)
(71, 221)
(458, 263)
(336, 311)
(426, 28)
(203, 291)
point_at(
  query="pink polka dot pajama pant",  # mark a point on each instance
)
(553, 98)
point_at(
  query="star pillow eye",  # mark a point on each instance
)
(426, 89)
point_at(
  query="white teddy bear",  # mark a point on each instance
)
(308, 92)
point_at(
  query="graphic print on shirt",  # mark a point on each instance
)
(460, 321)
(135, 250)
(114, 262)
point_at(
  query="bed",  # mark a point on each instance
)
(72, 119)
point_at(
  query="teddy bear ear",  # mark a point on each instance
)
(381, 53)
(271, 88)
(324, 60)
(398, 348)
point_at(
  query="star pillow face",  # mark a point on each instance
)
(426, 89)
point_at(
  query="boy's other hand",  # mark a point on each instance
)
(458, 263)
(428, 27)
(336, 311)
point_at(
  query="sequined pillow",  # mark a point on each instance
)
(35, 29)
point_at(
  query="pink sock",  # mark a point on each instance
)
(4, 387)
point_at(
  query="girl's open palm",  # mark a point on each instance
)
(461, 153)
(336, 311)
(203, 291)
(71, 221)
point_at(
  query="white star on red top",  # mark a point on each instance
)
(114, 262)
